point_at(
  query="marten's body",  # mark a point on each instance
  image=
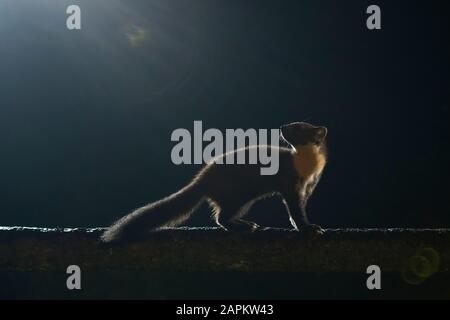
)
(231, 189)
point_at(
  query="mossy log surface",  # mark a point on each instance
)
(212, 249)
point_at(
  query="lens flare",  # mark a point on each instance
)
(136, 35)
(421, 266)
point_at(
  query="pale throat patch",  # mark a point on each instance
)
(309, 161)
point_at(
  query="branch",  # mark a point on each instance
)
(211, 249)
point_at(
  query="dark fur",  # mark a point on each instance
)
(231, 190)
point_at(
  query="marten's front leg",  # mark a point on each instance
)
(296, 205)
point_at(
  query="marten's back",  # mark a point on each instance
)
(228, 181)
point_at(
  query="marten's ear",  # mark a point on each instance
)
(321, 133)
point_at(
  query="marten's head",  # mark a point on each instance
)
(303, 133)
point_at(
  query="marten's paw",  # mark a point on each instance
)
(240, 225)
(312, 229)
(252, 226)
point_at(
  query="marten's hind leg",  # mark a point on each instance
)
(249, 225)
(229, 218)
(225, 218)
(238, 225)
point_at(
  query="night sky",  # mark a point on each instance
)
(86, 116)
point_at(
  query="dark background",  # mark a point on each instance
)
(86, 116)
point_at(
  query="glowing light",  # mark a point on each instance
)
(136, 35)
(421, 266)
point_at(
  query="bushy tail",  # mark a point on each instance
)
(170, 211)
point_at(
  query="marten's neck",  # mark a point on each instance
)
(309, 160)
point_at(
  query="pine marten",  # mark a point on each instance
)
(231, 189)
